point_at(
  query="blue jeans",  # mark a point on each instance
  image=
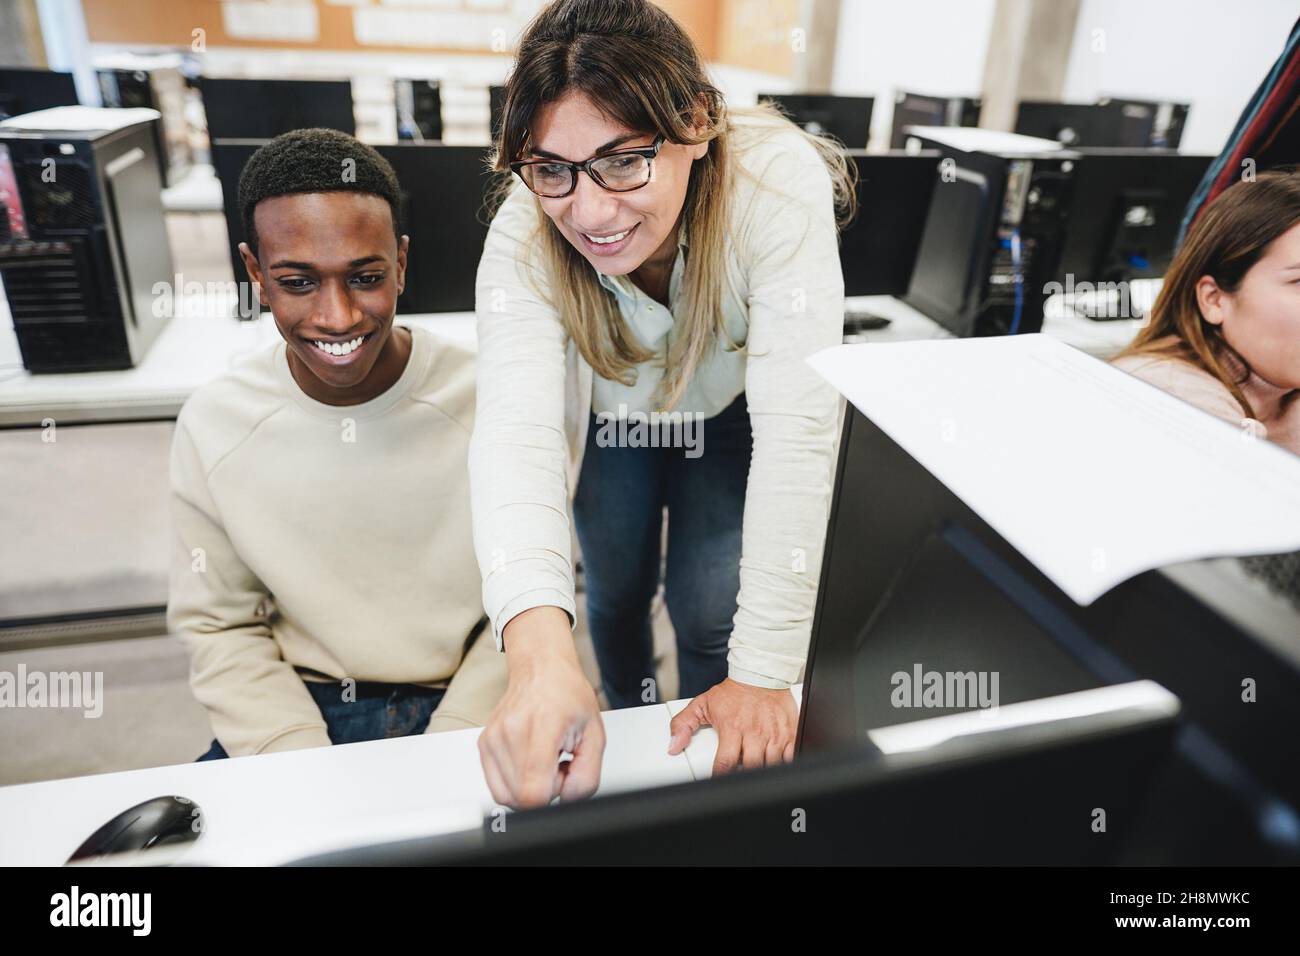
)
(618, 513)
(379, 711)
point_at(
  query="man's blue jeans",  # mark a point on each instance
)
(618, 513)
(379, 711)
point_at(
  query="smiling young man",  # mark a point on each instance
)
(323, 575)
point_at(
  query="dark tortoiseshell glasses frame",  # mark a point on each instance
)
(590, 167)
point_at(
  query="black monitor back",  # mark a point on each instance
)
(443, 193)
(878, 248)
(920, 109)
(1125, 209)
(953, 255)
(911, 575)
(263, 109)
(26, 91)
(1149, 123)
(847, 118)
(496, 110)
(1002, 798)
(1110, 123)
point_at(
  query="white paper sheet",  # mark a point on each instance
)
(1092, 474)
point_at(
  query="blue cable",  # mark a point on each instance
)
(1018, 280)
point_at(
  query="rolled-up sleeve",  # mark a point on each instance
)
(796, 308)
(518, 453)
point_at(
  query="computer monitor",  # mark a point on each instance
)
(26, 91)
(1156, 124)
(847, 118)
(1136, 124)
(1071, 124)
(913, 577)
(262, 109)
(920, 109)
(443, 194)
(878, 248)
(496, 109)
(1020, 793)
(952, 256)
(1125, 211)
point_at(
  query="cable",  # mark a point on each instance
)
(1018, 280)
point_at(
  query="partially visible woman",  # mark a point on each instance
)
(1225, 331)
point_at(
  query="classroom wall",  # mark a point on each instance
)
(1210, 53)
(747, 34)
(926, 46)
(449, 26)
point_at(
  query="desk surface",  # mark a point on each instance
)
(277, 807)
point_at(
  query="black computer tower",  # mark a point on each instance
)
(87, 242)
(419, 109)
(158, 88)
(992, 238)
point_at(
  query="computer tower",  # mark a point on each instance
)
(159, 88)
(994, 232)
(419, 109)
(87, 240)
(919, 109)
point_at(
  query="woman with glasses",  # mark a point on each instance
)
(650, 287)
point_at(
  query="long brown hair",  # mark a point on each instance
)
(1231, 235)
(634, 61)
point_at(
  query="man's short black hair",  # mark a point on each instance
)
(315, 161)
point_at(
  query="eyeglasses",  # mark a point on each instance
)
(618, 172)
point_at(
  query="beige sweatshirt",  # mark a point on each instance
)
(1277, 408)
(317, 541)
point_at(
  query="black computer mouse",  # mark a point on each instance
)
(161, 821)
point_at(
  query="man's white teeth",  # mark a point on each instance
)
(339, 348)
(608, 239)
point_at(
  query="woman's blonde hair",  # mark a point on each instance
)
(1227, 238)
(634, 61)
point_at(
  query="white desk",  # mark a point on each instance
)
(196, 347)
(278, 807)
(198, 191)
